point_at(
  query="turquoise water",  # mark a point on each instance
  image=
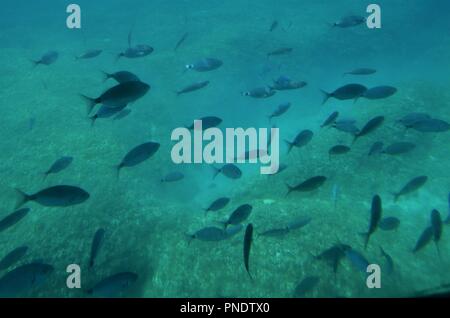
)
(146, 221)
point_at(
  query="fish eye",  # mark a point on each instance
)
(189, 66)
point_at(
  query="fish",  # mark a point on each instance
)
(361, 71)
(389, 223)
(348, 126)
(376, 148)
(59, 165)
(13, 257)
(412, 185)
(232, 230)
(208, 122)
(229, 170)
(375, 216)
(371, 125)
(181, 41)
(389, 265)
(280, 51)
(47, 59)
(302, 139)
(333, 255)
(239, 215)
(338, 150)
(447, 219)
(399, 148)
(140, 50)
(431, 125)
(205, 65)
(122, 114)
(379, 92)
(424, 239)
(299, 223)
(276, 232)
(122, 77)
(55, 196)
(114, 285)
(306, 286)
(138, 155)
(357, 259)
(281, 109)
(330, 120)
(349, 21)
(89, 54)
(173, 177)
(412, 118)
(208, 234)
(24, 278)
(260, 92)
(119, 95)
(310, 184)
(248, 238)
(273, 26)
(283, 83)
(13, 218)
(106, 112)
(193, 87)
(217, 204)
(346, 92)
(96, 245)
(437, 226)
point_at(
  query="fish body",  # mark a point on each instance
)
(114, 285)
(205, 65)
(346, 92)
(248, 238)
(193, 87)
(96, 245)
(308, 185)
(56, 196)
(13, 218)
(412, 185)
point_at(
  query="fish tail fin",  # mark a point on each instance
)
(35, 63)
(90, 103)
(189, 238)
(45, 175)
(118, 56)
(22, 198)
(290, 189)
(326, 96)
(93, 119)
(216, 172)
(118, 168)
(290, 145)
(366, 237)
(106, 76)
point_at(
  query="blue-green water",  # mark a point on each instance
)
(146, 221)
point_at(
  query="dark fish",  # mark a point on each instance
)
(122, 114)
(308, 185)
(338, 150)
(247, 246)
(13, 257)
(208, 122)
(89, 54)
(97, 243)
(24, 278)
(106, 112)
(389, 223)
(431, 125)
(305, 286)
(218, 204)
(361, 71)
(239, 215)
(122, 77)
(47, 59)
(333, 255)
(283, 83)
(298, 223)
(273, 26)
(205, 65)
(412, 185)
(436, 225)
(13, 218)
(208, 234)
(350, 91)
(330, 120)
(173, 177)
(447, 220)
(119, 95)
(114, 285)
(138, 155)
(375, 217)
(357, 259)
(232, 230)
(282, 108)
(399, 148)
(229, 170)
(389, 265)
(193, 87)
(371, 125)
(412, 118)
(181, 41)
(380, 92)
(348, 126)
(302, 139)
(59, 165)
(350, 21)
(277, 232)
(424, 239)
(56, 196)
(376, 148)
(260, 92)
(140, 50)
(280, 51)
